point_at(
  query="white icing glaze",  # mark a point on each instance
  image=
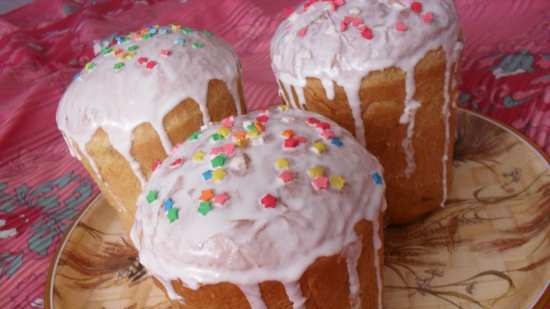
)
(119, 101)
(345, 57)
(243, 242)
(295, 295)
(352, 253)
(253, 295)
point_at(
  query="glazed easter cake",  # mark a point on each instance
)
(276, 209)
(386, 70)
(141, 95)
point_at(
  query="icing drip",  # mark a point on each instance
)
(264, 229)
(139, 80)
(253, 296)
(377, 242)
(353, 252)
(352, 93)
(169, 288)
(295, 295)
(328, 85)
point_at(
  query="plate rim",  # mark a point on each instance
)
(541, 303)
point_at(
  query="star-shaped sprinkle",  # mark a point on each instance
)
(133, 48)
(106, 50)
(288, 133)
(377, 179)
(337, 182)
(152, 196)
(176, 163)
(205, 208)
(316, 171)
(167, 204)
(327, 133)
(283, 108)
(187, 30)
(151, 64)
(228, 122)
(207, 195)
(318, 147)
(179, 41)
(207, 175)
(198, 45)
(221, 199)
(286, 176)
(269, 201)
(216, 137)
(291, 143)
(320, 183)
(219, 160)
(155, 165)
(173, 214)
(416, 7)
(281, 164)
(428, 17)
(198, 156)
(322, 125)
(88, 67)
(142, 60)
(225, 132)
(401, 26)
(336, 141)
(312, 121)
(229, 149)
(194, 136)
(216, 150)
(165, 52)
(218, 174)
(262, 118)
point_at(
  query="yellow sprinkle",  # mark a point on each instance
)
(175, 28)
(337, 182)
(224, 131)
(198, 156)
(242, 143)
(316, 171)
(283, 107)
(281, 164)
(319, 147)
(218, 174)
(252, 134)
(128, 55)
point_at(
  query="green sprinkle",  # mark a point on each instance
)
(89, 66)
(207, 33)
(106, 50)
(205, 208)
(252, 127)
(152, 196)
(194, 136)
(217, 137)
(118, 66)
(219, 160)
(187, 30)
(147, 36)
(133, 48)
(173, 214)
(198, 45)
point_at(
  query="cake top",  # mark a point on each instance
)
(342, 40)
(255, 198)
(140, 77)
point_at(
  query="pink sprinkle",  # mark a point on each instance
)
(323, 125)
(428, 17)
(221, 199)
(416, 7)
(357, 21)
(348, 19)
(343, 26)
(217, 150)
(291, 143)
(269, 201)
(229, 149)
(312, 121)
(302, 32)
(286, 176)
(400, 26)
(328, 133)
(142, 60)
(165, 52)
(367, 33)
(320, 183)
(156, 164)
(228, 122)
(151, 64)
(263, 118)
(176, 163)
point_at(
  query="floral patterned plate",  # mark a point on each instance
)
(489, 248)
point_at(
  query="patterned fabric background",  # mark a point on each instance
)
(506, 75)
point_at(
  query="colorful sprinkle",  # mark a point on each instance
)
(176, 163)
(167, 204)
(194, 136)
(173, 214)
(151, 64)
(133, 48)
(155, 165)
(311, 121)
(337, 182)
(106, 50)
(165, 52)
(318, 147)
(400, 26)
(336, 141)
(428, 17)
(152, 196)
(416, 7)
(205, 208)
(262, 118)
(288, 133)
(142, 60)
(328, 134)
(128, 55)
(216, 137)
(269, 201)
(316, 171)
(283, 108)
(229, 149)
(221, 199)
(281, 164)
(219, 160)
(377, 178)
(179, 41)
(367, 33)
(228, 122)
(291, 143)
(175, 27)
(322, 125)
(225, 132)
(88, 67)
(320, 183)
(164, 30)
(207, 175)
(207, 195)
(187, 30)
(198, 156)
(286, 176)
(218, 174)
(118, 66)
(198, 45)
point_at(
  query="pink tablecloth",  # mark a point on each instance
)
(506, 75)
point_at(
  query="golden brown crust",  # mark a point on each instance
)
(324, 284)
(382, 95)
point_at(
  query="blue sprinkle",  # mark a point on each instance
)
(207, 175)
(167, 204)
(164, 30)
(179, 41)
(377, 178)
(77, 76)
(153, 30)
(336, 141)
(120, 39)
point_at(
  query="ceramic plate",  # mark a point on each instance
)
(488, 248)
